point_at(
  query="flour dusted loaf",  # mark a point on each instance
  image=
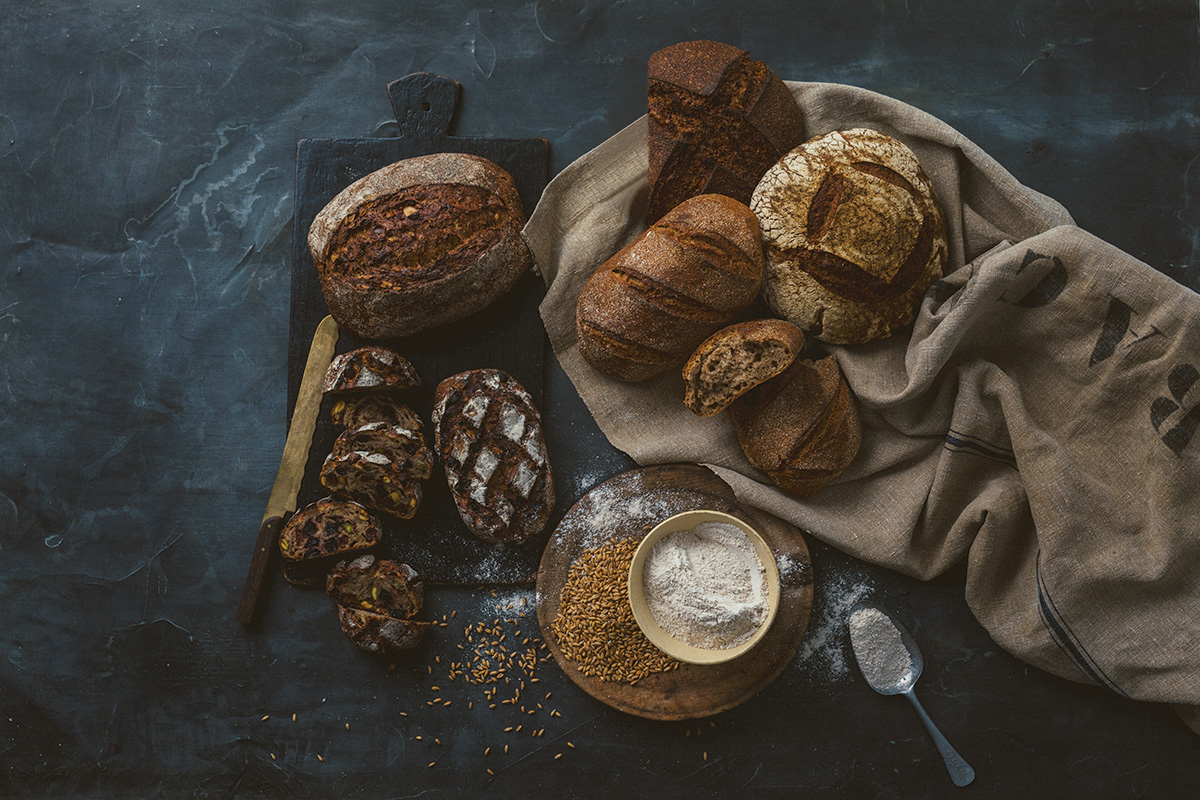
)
(735, 359)
(854, 235)
(488, 436)
(419, 243)
(647, 308)
(718, 120)
(369, 369)
(800, 428)
(381, 466)
(376, 600)
(323, 533)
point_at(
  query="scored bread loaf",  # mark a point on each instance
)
(488, 436)
(718, 120)
(419, 243)
(854, 235)
(322, 534)
(735, 359)
(648, 307)
(369, 369)
(801, 428)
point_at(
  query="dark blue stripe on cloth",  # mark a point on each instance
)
(1065, 638)
(963, 443)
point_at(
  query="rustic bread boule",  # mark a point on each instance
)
(800, 428)
(854, 235)
(419, 243)
(718, 120)
(735, 359)
(646, 308)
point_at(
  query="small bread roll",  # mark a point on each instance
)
(854, 235)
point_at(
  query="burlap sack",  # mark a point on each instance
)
(1037, 420)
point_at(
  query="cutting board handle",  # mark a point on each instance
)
(424, 104)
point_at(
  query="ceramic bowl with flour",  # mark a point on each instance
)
(704, 587)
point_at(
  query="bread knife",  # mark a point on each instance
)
(282, 500)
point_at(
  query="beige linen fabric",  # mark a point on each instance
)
(1036, 420)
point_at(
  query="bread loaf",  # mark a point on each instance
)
(380, 634)
(419, 243)
(323, 533)
(488, 436)
(735, 359)
(369, 369)
(718, 120)
(854, 235)
(800, 428)
(647, 308)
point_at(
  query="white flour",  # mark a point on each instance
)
(880, 651)
(821, 657)
(706, 586)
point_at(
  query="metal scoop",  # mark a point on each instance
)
(960, 771)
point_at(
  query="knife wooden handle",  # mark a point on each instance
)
(266, 550)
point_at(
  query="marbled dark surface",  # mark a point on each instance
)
(147, 156)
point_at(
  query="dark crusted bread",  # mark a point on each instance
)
(419, 243)
(488, 436)
(385, 587)
(649, 306)
(735, 359)
(322, 534)
(718, 120)
(854, 235)
(355, 411)
(380, 466)
(800, 428)
(369, 369)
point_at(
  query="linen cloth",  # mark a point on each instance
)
(1037, 419)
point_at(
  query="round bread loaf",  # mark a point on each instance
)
(735, 359)
(646, 308)
(854, 235)
(419, 243)
(800, 428)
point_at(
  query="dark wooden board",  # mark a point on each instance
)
(508, 335)
(632, 503)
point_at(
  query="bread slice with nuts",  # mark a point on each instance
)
(370, 369)
(380, 466)
(376, 600)
(322, 534)
(735, 359)
(355, 411)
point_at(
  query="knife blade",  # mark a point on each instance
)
(282, 499)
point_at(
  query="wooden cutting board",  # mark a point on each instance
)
(632, 503)
(507, 335)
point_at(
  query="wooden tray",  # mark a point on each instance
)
(507, 335)
(632, 503)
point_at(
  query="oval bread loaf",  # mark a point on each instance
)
(647, 308)
(854, 235)
(488, 436)
(419, 243)
(800, 428)
(718, 120)
(735, 359)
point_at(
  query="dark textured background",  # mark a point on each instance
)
(147, 157)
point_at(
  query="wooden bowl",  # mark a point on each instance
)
(641, 611)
